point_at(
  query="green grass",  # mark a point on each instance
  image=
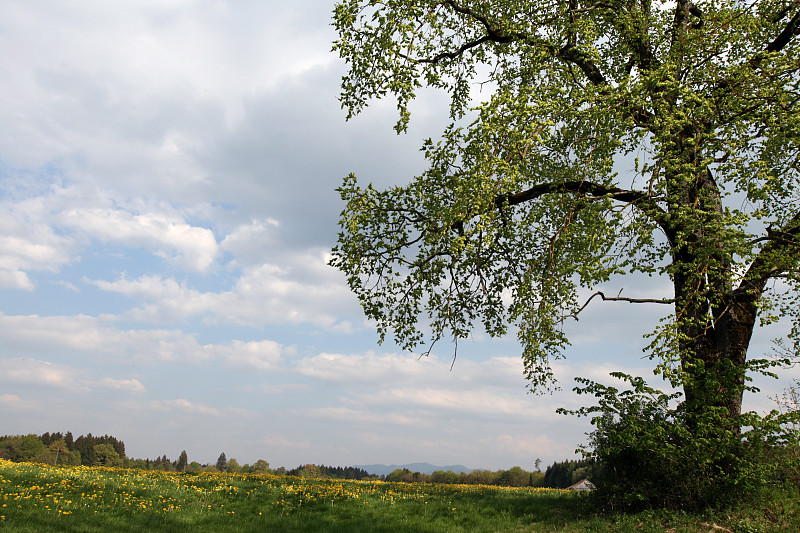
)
(41, 498)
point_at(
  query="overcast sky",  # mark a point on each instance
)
(167, 207)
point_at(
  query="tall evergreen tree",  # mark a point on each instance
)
(222, 462)
(183, 461)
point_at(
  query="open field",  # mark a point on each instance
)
(41, 498)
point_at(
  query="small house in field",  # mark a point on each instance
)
(583, 484)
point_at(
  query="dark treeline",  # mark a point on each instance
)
(63, 449)
(330, 472)
(89, 450)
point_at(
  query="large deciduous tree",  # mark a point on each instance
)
(618, 137)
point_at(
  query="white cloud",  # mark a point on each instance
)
(464, 403)
(10, 400)
(285, 388)
(260, 355)
(359, 416)
(27, 241)
(185, 406)
(533, 446)
(182, 404)
(369, 367)
(410, 369)
(126, 385)
(302, 291)
(251, 243)
(190, 247)
(94, 336)
(15, 279)
(41, 373)
(71, 379)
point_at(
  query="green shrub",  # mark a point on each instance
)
(650, 452)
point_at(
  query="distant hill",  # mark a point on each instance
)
(424, 468)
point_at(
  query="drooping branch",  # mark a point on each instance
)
(618, 298)
(568, 53)
(452, 55)
(493, 34)
(491, 30)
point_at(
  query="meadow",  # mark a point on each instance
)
(42, 498)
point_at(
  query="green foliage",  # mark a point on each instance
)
(260, 467)
(106, 455)
(563, 474)
(328, 472)
(652, 452)
(233, 466)
(514, 477)
(523, 207)
(58, 448)
(617, 139)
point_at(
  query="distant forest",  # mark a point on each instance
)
(89, 450)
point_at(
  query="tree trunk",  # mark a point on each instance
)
(714, 352)
(715, 322)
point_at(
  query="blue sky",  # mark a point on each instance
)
(167, 208)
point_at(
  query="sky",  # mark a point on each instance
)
(167, 209)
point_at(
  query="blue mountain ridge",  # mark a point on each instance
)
(424, 468)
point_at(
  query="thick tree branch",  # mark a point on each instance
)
(639, 199)
(570, 53)
(772, 261)
(780, 42)
(791, 30)
(493, 34)
(491, 31)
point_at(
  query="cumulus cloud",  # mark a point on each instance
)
(185, 406)
(33, 372)
(299, 291)
(365, 417)
(466, 403)
(96, 336)
(260, 355)
(182, 404)
(15, 279)
(531, 445)
(10, 400)
(190, 247)
(28, 242)
(407, 368)
(369, 367)
(126, 385)
(252, 242)
(284, 388)
(41, 373)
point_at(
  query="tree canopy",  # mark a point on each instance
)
(618, 138)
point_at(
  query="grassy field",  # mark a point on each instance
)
(41, 498)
